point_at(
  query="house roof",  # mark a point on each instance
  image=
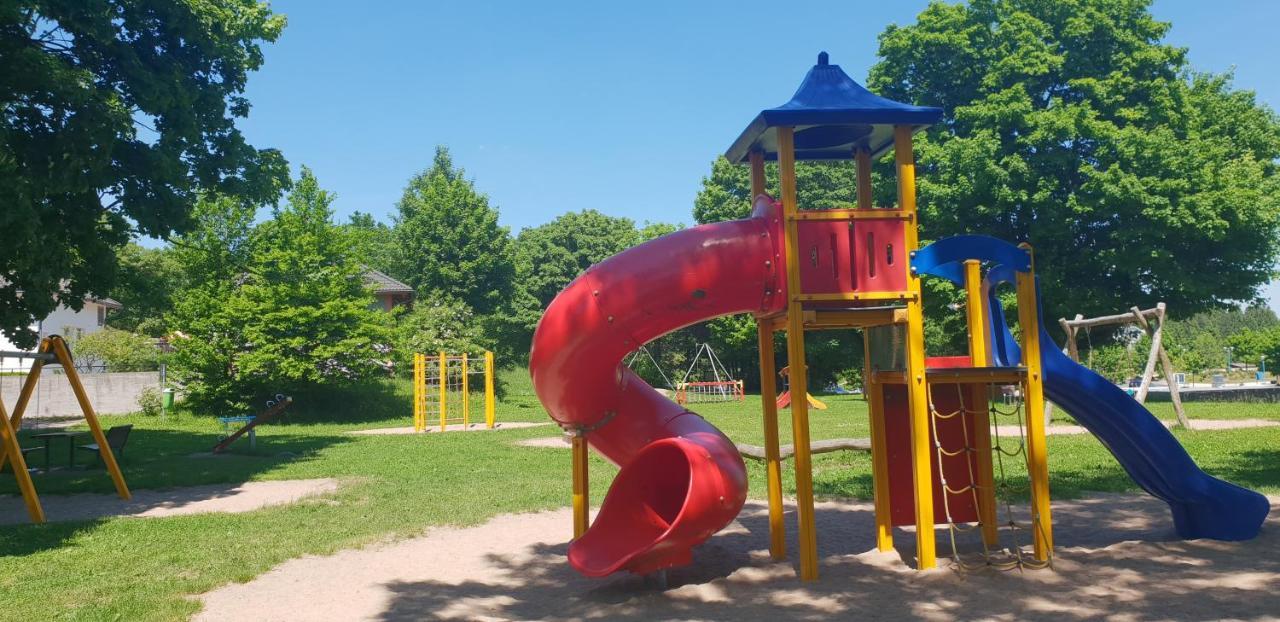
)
(384, 284)
(106, 302)
(833, 115)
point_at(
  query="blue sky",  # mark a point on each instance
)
(619, 107)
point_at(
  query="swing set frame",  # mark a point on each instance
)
(53, 350)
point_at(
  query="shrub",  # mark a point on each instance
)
(149, 402)
(120, 350)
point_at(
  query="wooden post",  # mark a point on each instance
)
(795, 359)
(862, 162)
(104, 450)
(9, 447)
(772, 461)
(917, 386)
(1166, 367)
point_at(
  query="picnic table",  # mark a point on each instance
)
(47, 439)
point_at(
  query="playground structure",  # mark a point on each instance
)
(52, 350)
(935, 459)
(1152, 322)
(275, 408)
(442, 389)
(648, 356)
(784, 398)
(720, 387)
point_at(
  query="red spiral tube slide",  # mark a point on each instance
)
(681, 479)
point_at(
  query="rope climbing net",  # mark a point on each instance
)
(1003, 447)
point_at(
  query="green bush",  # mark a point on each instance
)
(437, 326)
(120, 350)
(149, 402)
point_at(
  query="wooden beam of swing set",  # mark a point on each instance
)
(52, 349)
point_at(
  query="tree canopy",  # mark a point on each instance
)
(448, 240)
(1071, 125)
(116, 115)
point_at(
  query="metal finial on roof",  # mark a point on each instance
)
(822, 59)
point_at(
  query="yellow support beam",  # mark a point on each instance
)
(444, 391)
(853, 214)
(879, 454)
(466, 394)
(917, 389)
(772, 461)
(803, 463)
(63, 353)
(581, 499)
(1037, 449)
(488, 391)
(979, 354)
(906, 296)
(9, 447)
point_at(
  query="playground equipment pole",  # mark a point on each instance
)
(795, 358)
(444, 390)
(488, 390)
(975, 305)
(1037, 449)
(466, 394)
(581, 501)
(768, 398)
(875, 393)
(917, 389)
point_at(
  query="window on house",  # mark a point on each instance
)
(102, 315)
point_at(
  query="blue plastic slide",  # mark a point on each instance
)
(1203, 506)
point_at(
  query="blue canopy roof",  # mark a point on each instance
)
(833, 115)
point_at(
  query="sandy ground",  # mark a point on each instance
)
(455, 427)
(244, 497)
(1117, 559)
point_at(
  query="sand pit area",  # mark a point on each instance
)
(1116, 559)
(454, 427)
(228, 498)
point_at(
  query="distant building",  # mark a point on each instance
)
(389, 292)
(63, 321)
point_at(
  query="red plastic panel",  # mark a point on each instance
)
(952, 432)
(865, 257)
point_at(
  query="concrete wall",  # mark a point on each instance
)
(1248, 393)
(113, 393)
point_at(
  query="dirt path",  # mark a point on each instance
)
(244, 497)
(1116, 559)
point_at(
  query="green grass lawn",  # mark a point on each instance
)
(396, 486)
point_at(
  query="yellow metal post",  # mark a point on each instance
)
(581, 500)
(488, 390)
(104, 450)
(1037, 449)
(879, 453)
(466, 394)
(9, 445)
(772, 462)
(795, 360)
(444, 391)
(417, 392)
(979, 353)
(917, 388)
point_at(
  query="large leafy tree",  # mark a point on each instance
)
(1072, 126)
(448, 240)
(374, 241)
(295, 314)
(146, 285)
(114, 115)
